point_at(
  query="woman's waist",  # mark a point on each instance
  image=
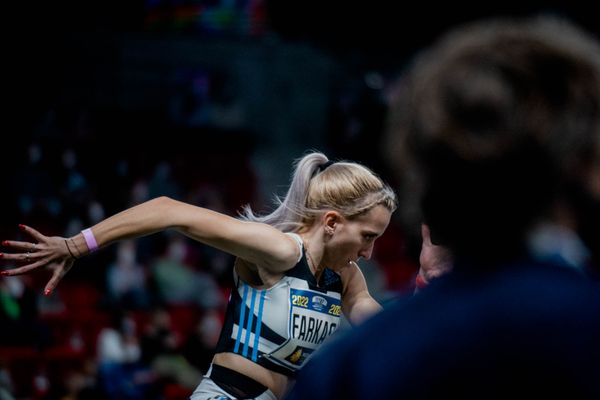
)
(276, 382)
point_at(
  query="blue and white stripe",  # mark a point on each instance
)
(255, 309)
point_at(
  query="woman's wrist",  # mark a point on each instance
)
(71, 251)
(76, 246)
(90, 240)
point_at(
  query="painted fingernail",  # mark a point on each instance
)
(22, 226)
(4, 273)
(5, 243)
(47, 292)
(1, 255)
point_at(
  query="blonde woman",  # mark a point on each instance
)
(295, 270)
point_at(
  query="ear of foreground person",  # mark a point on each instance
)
(495, 131)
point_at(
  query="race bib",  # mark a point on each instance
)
(313, 317)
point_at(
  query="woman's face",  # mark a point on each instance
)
(354, 238)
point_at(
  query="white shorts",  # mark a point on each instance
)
(209, 390)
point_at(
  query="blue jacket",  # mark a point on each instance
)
(526, 329)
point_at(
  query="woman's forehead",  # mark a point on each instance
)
(376, 219)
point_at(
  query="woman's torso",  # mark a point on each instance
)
(270, 330)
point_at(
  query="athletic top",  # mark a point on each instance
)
(280, 327)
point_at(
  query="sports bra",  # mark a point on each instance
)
(280, 327)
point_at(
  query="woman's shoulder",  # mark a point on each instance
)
(254, 275)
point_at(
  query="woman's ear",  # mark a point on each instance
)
(330, 221)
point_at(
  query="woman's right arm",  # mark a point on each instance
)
(257, 243)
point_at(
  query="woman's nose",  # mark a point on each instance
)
(366, 253)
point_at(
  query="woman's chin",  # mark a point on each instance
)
(342, 266)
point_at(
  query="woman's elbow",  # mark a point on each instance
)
(169, 211)
(163, 201)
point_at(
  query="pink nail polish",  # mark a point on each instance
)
(4, 273)
(1, 255)
(5, 243)
(21, 226)
(47, 292)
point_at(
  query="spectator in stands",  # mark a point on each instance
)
(126, 279)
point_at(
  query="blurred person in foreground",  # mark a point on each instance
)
(295, 272)
(497, 128)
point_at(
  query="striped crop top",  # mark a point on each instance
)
(280, 327)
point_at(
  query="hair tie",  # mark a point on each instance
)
(321, 168)
(324, 166)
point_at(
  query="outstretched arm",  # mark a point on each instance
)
(257, 243)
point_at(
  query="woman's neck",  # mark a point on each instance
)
(313, 246)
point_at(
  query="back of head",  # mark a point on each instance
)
(319, 185)
(491, 125)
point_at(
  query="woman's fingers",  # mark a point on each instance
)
(23, 246)
(56, 277)
(35, 255)
(27, 246)
(24, 269)
(23, 257)
(32, 232)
